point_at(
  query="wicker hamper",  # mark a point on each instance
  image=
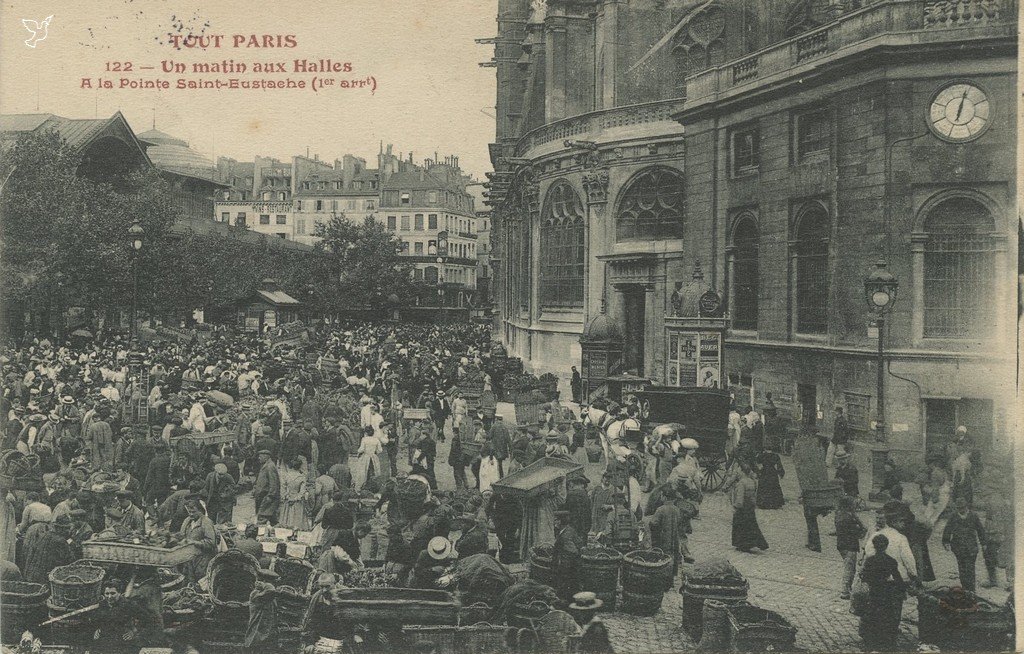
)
(753, 629)
(76, 585)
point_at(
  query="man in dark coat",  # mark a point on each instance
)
(46, 548)
(474, 537)
(440, 409)
(566, 556)
(580, 509)
(266, 491)
(576, 385)
(501, 443)
(157, 485)
(666, 527)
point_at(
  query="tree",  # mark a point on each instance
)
(358, 265)
(63, 236)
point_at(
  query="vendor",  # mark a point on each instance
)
(473, 539)
(566, 555)
(123, 624)
(198, 530)
(248, 543)
(432, 562)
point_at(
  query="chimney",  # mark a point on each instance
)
(423, 175)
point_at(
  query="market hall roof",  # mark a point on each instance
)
(174, 155)
(80, 133)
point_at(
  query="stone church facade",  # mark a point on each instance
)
(777, 149)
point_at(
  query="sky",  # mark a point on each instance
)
(431, 95)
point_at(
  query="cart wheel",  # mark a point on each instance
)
(714, 468)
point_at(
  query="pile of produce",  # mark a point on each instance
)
(481, 579)
(158, 538)
(715, 568)
(186, 599)
(523, 593)
(371, 578)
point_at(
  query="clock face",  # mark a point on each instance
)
(959, 112)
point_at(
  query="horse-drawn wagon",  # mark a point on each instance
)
(698, 413)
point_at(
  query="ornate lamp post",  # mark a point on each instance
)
(880, 288)
(136, 236)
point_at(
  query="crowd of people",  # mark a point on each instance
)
(316, 425)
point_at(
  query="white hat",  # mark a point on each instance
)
(961, 429)
(440, 548)
(689, 444)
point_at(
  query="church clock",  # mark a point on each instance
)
(959, 112)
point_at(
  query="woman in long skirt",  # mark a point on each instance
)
(770, 471)
(746, 534)
(294, 493)
(367, 459)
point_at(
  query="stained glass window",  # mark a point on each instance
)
(651, 206)
(561, 248)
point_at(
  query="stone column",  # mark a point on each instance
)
(595, 185)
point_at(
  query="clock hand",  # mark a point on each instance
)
(961, 108)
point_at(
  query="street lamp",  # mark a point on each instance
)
(136, 236)
(880, 288)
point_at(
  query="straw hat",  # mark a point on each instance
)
(689, 444)
(439, 548)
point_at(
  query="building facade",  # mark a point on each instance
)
(348, 189)
(430, 211)
(777, 149)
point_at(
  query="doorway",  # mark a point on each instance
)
(635, 301)
(807, 398)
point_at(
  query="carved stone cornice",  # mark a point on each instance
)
(595, 183)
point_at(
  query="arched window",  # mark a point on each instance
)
(959, 271)
(745, 247)
(651, 206)
(700, 44)
(561, 248)
(812, 281)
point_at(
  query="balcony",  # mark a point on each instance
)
(891, 23)
(584, 125)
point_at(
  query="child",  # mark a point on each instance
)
(962, 536)
(849, 531)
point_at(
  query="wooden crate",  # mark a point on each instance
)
(139, 554)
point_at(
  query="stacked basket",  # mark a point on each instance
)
(646, 575)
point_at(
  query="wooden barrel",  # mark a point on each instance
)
(697, 591)
(599, 574)
(542, 567)
(643, 571)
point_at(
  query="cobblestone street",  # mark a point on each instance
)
(801, 585)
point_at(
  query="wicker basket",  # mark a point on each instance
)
(164, 557)
(24, 607)
(402, 605)
(982, 626)
(646, 570)
(294, 573)
(75, 586)
(22, 593)
(474, 613)
(753, 629)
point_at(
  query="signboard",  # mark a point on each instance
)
(695, 359)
